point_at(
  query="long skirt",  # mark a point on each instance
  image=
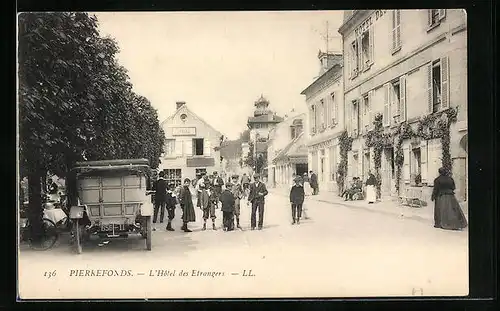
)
(188, 214)
(448, 214)
(371, 194)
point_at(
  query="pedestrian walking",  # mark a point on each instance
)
(207, 207)
(371, 194)
(237, 190)
(296, 200)
(256, 197)
(160, 188)
(186, 202)
(447, 211)
(227, 200)
(171, 202)
(313, 180)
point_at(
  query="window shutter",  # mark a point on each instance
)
(442, 14)
(445, 85)
(311, 119)
(360, 55)
(429, 17)
(372, 160)
(371, 45)
(357, 111)
(347, 56)
(386, 113)
(336, 109)
(349, 168)
(429, 86)
(393, 31)
(398, 28)
(406, 165)
(360, 163)
(364, 113)
(402, 98)
(370, 110)
(178, 148)
(189, 147)
(423, 160)
(207, 147)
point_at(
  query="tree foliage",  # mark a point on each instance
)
(75, 100)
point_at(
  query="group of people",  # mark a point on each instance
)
(211, 194)
(356, 187)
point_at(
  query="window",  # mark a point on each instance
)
(354, 59)
(436, 86)
(183, 117)
(198, 146)
(435, 17)
(354, 166)
(200, 171)
(355, 117)
(334, 108)
(174, 176)
(366, 112)
(322, 114)
(396, 30)
(313, 119)
(395, 96)
(365, 48)
(416, 167)
(169, 147)
(366, 165)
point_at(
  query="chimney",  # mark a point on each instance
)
(180, 104)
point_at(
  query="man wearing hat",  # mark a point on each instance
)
(217, 184)
(160, 188)
(237, 191)
(227, 200)
(257, 194)
(296, 200)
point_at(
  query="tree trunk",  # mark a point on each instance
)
(35, 209)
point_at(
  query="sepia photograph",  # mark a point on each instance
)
(242, 154)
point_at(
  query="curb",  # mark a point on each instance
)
(411, 217)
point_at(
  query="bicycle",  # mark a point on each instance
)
(48, 237)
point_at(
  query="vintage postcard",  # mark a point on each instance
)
(284, 154)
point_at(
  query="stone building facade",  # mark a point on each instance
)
(324, 100)
(190, 145)
(409, 67)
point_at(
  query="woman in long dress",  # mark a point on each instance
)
(186, 202)
(371, 194)
(447, 211)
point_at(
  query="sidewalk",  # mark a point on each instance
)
(389, 206)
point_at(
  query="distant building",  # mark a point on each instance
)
(406, 65)
(231, 153)
(263, 120)
(324, 99)
(189, 146)
(282, 138)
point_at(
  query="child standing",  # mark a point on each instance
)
(296, 200)
(170, 203)
(237, 190)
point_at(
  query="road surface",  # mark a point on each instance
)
(339, 252)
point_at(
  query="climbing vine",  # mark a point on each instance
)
(431, 126)
(345, 143)
(379, 140)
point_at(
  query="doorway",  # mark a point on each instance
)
(300, 169)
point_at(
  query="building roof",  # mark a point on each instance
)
(332, 74)
(265, 119)
(185, 109)
(295, 148)
(350, 16)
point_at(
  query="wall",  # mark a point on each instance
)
(183, 147)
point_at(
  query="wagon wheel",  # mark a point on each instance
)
(78, 236)
(149, 233)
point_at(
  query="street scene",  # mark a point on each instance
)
(261, 166)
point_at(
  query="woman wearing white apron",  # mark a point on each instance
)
(371, 194)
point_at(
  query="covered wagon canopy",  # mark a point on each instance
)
(113, 167)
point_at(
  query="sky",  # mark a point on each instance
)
(220, 63)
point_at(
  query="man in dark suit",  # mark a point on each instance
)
(314, 182)
(160, 188)
(257, 194)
